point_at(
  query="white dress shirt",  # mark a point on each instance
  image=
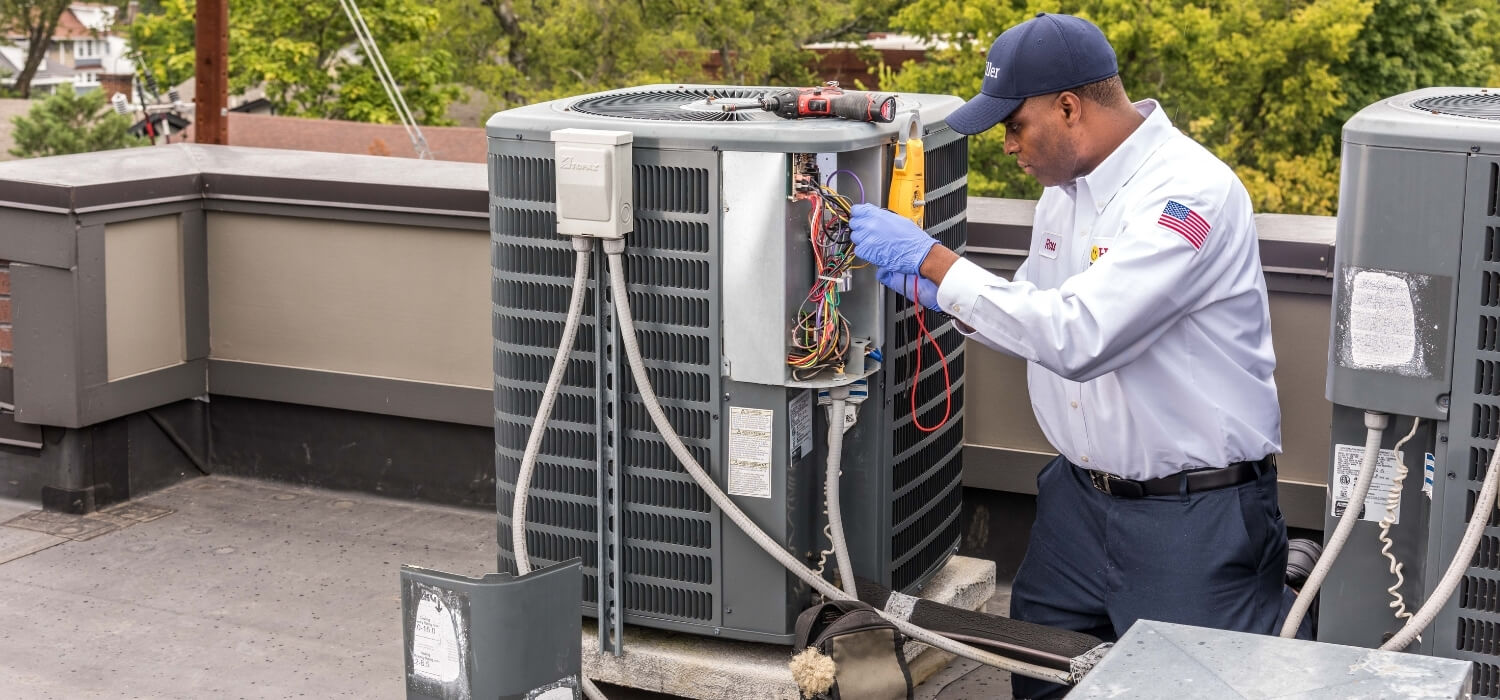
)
(1148, 342)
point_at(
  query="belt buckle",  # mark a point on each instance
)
(1100, 480)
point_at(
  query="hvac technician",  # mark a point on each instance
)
(1141, 311)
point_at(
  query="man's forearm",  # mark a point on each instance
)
(937, 263)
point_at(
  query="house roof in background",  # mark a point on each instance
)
(451, 143)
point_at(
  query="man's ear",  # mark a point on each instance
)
(1071, 105)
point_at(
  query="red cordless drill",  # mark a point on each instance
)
(830, 101)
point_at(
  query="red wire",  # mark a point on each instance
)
(917, 375)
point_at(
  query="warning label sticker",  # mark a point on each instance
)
(1346, 459)
(750, 451)
(434, 644)
(800, 418)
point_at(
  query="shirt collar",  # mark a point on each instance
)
(1117, 168)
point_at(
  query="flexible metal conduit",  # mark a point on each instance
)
(1375, 424)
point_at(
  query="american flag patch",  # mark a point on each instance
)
(1186, 222)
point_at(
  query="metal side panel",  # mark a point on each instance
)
(1355, 606)
(1394, 280)
(759, 279)
(1469, 626)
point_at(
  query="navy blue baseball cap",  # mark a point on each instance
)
(1046, 54)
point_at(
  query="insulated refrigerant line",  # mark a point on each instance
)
(1375, 424)
(615, 249)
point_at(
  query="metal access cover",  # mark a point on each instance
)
(1479, 106)
(1161, 660)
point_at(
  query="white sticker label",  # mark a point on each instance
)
(1429, 470)
(750, 451)
(434, 643)
(1346, 460)
(800, 416)
(1382, 323)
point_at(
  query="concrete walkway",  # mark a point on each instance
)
(232, 588)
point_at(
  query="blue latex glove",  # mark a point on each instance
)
(926, 290)
(888, 240)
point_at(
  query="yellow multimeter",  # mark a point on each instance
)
(909, 172)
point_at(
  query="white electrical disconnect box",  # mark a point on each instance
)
(594, 188)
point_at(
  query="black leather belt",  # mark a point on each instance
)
(1197, 480)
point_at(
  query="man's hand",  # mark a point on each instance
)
(907, 285)
(890, 241)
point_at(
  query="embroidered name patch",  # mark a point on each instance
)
(1050, 243)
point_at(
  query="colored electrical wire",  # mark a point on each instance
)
(916, 376)
(828, 181)
(1392, 502)
(821, 335)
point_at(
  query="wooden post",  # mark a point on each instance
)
(211, 36)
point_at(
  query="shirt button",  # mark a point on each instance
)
(1074, 404)
(1085, 459)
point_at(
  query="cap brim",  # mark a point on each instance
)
(981, 113)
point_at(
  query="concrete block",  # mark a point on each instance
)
(693, 666)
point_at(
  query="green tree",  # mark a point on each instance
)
(36, 21)
(1264, 84)
(307, 58)
(68, 122)
(522, 51)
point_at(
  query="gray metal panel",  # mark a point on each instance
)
(125, 178)
(93, 329)
(757, 266)
(105, 401)
(195, 283)
(132, 211)
(1397, 210)
(514, 636)
(1354, 606)
(1395, 123)
(1178, 662)
(47, 337)
(758, 594)
(393, 397)
(398, 216)
(37, 238)
(536, 123)
(1469, 625)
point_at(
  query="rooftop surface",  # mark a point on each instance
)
(226, 587)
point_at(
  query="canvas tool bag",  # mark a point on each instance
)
(866, 649)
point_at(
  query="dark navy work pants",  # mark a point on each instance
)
(1097, 563)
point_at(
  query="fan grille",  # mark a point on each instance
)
(682, 105)
(1480, 106)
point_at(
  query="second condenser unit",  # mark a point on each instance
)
(718, 265)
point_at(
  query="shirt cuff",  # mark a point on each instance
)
(961, 287)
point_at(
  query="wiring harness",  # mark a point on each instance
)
(820, 334)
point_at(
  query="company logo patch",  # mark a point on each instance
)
(1050, 243)
(990, 70)
(1096, 252)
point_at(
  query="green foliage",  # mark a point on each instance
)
(67, 122)
(523, 51)
(1265, 84)
(307, 58)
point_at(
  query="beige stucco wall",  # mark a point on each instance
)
(143, 309)
(369, 299)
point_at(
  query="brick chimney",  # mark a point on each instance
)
(111, 83)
